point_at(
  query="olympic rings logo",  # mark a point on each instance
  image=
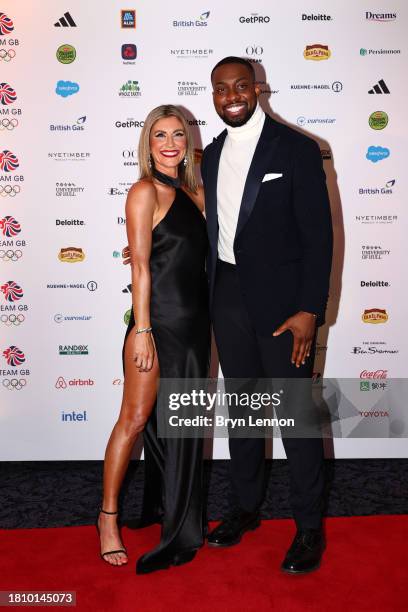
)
(8, 124)
(11, 255)
(14, 383)
(12, 319)
(9, 190)
(8, 55)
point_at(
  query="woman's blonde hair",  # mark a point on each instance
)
(186, 172)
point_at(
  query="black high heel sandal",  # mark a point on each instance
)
(109, 552)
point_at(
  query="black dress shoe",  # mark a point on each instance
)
(231, 530)
(152, 562)
(305, 553)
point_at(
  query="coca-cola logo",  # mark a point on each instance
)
(374, 374)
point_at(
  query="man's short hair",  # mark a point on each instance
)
(231, 59)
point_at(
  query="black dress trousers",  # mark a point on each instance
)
(243, 353)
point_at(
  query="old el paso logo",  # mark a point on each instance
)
(317, 52)
(374, 315)
(71, 255)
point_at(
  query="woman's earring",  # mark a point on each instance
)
(149, 163)
(185, 162)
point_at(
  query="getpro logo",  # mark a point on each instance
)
(66, 88)
(376, 154)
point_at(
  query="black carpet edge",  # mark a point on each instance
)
(67, 493)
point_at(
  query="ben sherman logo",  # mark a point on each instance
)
(374, 374)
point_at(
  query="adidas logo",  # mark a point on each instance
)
(66, 21)
(380, 88)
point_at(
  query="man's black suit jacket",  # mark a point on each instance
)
(283, 242)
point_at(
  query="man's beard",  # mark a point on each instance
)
(239, 122)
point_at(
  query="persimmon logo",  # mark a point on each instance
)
(317, 52)
(71, 255)
(374, 315)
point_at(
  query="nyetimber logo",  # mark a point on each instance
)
(9, 227)
(11, 291)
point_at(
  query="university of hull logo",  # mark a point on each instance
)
(6, 25)
(7, 94)
(11, 291)
(374, 315)
(14, 356)
(71, 255)
(8, 161)
(9, 227)
(317, 52)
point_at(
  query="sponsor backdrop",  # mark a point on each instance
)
(77, 80)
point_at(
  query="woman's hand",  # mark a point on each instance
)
(144, 351)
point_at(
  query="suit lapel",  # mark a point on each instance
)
(211, 188)
(261, 160)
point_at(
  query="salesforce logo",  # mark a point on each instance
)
(376, 154)
(66, 88)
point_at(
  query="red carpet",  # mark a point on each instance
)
(365, 567)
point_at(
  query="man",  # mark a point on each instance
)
(270, 235)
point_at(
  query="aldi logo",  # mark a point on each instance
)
(128, 19)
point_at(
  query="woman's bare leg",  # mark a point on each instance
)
(139, 396)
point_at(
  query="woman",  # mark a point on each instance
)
(168, 336)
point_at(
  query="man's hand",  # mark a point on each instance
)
(302, 325)
(126, 255)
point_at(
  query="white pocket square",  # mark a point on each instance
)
(271, 176)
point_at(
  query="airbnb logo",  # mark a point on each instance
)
(75, 382)
(375, 374)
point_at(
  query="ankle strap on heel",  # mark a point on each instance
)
(105, 511)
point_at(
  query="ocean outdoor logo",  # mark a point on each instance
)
(66, 88)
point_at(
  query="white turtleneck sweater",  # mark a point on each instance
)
(236, 156)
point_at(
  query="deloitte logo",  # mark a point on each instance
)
(66, 54)
(378, 120)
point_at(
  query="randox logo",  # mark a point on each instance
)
(374, 315)
(71, 255)
(317, 52)
(66, 54)
(73, 349)
(378, 120)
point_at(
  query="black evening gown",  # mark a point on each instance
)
(173, 489)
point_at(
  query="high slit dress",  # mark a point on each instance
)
(173, 489)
